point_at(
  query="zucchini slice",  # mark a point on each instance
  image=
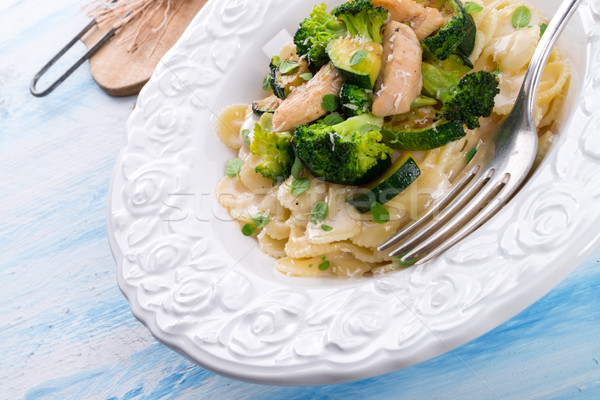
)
(352, 66)
(267, 105)
(419, 130)
(402, 173)
(465, 48)
(282, 82)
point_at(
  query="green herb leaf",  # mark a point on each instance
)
(260, 220)
(379, 212)
(472, 7)
(233, 167)
(368, 128)
(267, 83)
(470, 154)
(497, 71)
(276, 60)
(297, 168)
(521, 17)
(248, 229)
(300, 186)
(330, 102)
(324, 265)
(357, 57)
(310, 265)
(307, 76)
(319, 212)
(245, 138)
(287, 66)
(405, 263)
(333, 119)
(543, 29)
(326, 228)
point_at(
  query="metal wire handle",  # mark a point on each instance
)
(40, 93)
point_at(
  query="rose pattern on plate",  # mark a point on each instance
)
(189, 295)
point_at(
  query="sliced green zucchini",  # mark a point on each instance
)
(267, 105)
(402, 173)
(358, 62)
(465, 48)
(283, 77)
(419, 130)
(422, 101)
(452, 35)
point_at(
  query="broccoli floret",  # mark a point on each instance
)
(355, 100)
(277, 152)
(314, 34)
(451, 36)
(348, 153)
(474, 98)
(362, 19)
(464, 99)
(439, 82)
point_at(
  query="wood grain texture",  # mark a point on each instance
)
(66, 331)
(121, 71)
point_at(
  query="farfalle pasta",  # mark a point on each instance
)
(301, 191)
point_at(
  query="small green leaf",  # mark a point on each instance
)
(307, 76)
(330, 102)
(470, 154)
(300, 186)
(472, 7)
(260, 220)
(248, 229)
(287, 66)
(357, 57)
(497, 71)
(543, 29)
(326, 228)
(310, 265)
(323, 257)
(368, 128)
(266, 83)
(405, 263)
(319, 212)
(521, 17)
(245, 138)
(233, 167)
(380, 213)
(275, 60)
(297, 168)
(333, 119)
(324, 265)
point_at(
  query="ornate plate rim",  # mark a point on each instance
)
(352, 334)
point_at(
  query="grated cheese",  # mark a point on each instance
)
(398, 100)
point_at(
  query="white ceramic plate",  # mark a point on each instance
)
(208, 292)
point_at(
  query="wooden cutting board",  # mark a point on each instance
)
(121, 72)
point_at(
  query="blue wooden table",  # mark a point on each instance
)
(66, 331)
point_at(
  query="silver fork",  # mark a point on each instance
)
(494, 176)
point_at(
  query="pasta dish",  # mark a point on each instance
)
(368, 116)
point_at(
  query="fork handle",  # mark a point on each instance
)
(542, 52)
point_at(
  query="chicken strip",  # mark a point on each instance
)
(399, 82)
(303, 105)
(423, 20)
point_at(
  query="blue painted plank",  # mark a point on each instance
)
(66, 331)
